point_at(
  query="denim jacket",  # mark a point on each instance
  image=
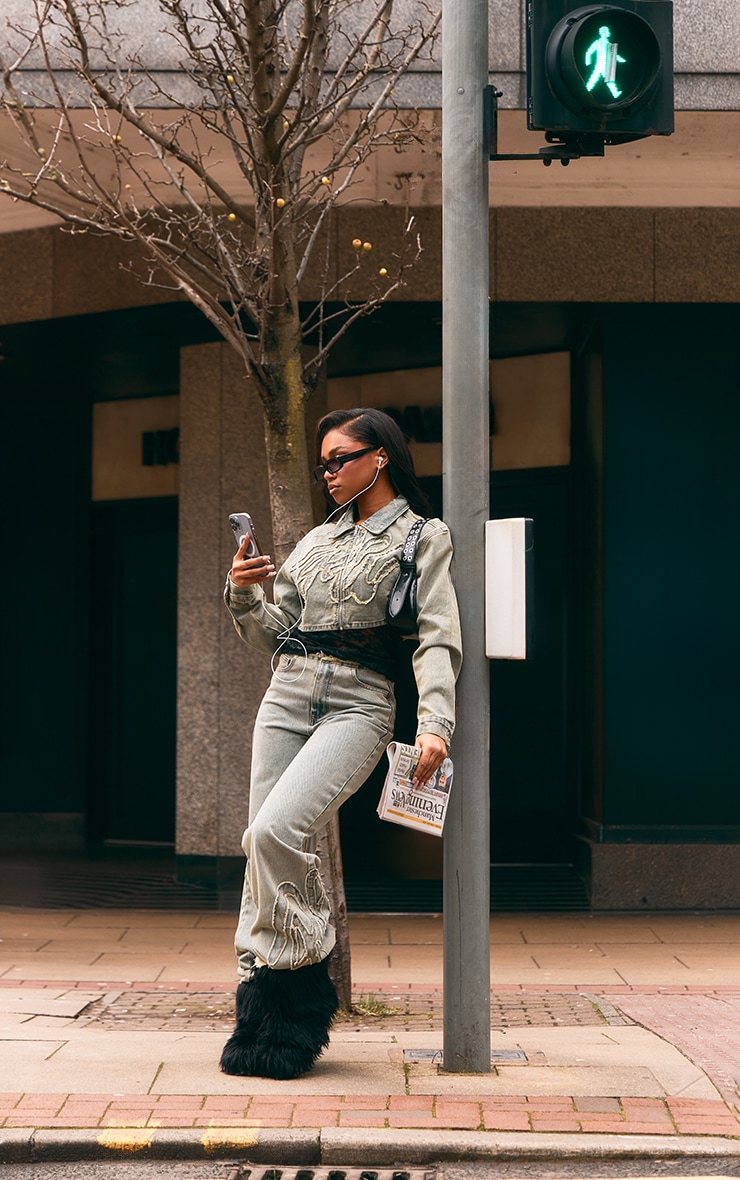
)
(340, 575)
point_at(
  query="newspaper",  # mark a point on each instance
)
(423, 808)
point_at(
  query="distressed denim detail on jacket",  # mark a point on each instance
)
(339, 576)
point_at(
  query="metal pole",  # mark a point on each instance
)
(466, 464)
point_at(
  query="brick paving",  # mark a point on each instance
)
(382, 1010)
(605, 1115)
(706, 1029)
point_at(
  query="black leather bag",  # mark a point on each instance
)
(400, 612)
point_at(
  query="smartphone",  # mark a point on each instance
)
(241, 523)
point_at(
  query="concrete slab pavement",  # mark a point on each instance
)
(71, 1061)
(613, 1062)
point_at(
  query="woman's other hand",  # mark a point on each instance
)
(250, 571)
(433, 753)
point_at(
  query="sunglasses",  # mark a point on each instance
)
(332, 466)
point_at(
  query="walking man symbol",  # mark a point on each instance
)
(603, 54)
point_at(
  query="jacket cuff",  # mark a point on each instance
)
(436, 725)
(241, 595)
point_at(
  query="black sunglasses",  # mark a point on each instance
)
(332, 466)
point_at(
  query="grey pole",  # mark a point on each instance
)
(466, 463)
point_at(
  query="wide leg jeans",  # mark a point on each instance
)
(322, 727)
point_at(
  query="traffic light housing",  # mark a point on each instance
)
(600, 70)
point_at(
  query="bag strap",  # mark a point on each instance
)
(409, 548)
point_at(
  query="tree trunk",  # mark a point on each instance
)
(340, 968)
(287, 468)
(292, 517)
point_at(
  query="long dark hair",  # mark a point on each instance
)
(373, 428)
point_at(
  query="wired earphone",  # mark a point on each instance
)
(286, 634)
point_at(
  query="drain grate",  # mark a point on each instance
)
(499, 1055)
(250, 1172)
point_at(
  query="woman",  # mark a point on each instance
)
(327, 718)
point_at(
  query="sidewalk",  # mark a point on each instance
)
(612, 1036)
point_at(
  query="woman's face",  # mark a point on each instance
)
(353, 477)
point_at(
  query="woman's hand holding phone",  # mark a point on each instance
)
(250, 571)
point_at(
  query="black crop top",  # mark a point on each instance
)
(372, 647)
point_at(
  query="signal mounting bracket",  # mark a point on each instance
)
(563, 146)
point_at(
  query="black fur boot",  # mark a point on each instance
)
(282, 1022)
(238, 1052)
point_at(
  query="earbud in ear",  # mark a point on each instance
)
(380, 462)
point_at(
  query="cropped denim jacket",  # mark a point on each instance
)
(340, 575)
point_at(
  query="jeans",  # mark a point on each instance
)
(322, 727)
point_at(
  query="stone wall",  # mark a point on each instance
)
(661, 876)
(707, 35)
(553, 253)
(220, 679)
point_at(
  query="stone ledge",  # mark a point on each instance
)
(651, 877)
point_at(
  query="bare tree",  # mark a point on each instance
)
(225, 173)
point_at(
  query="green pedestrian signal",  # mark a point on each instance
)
(603, 54)
(599, 65)
(603, 70)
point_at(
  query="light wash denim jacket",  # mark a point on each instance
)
(340, 575)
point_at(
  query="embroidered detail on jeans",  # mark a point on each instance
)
(351, 572)
(247, 966)
(299, 921)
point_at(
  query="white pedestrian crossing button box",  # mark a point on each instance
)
(509, 572)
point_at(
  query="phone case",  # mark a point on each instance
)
(241, 523)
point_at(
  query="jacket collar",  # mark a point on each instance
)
(378, 522)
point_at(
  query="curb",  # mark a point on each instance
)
(124, 1144)
(347, 1146)
(389, 1146)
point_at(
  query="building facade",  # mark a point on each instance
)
(129, 434)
